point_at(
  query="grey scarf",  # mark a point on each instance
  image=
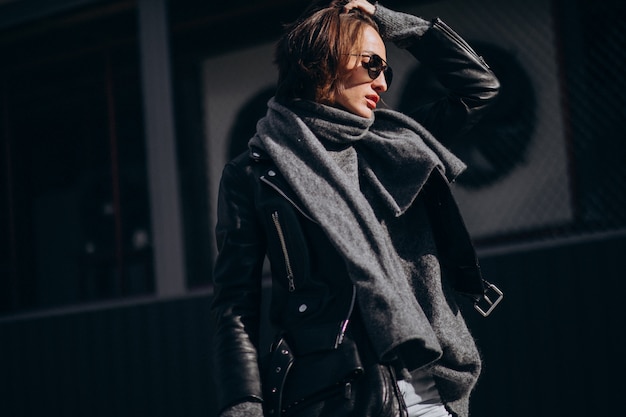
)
(395, 156)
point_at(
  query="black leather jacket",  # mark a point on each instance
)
(259, 215)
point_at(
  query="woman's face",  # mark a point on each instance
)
(357, 92)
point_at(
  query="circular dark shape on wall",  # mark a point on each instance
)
(499, 142)
(246, 119)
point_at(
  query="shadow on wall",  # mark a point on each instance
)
(245, 122)
(499, 142)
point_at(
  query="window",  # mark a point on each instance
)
(74, 209)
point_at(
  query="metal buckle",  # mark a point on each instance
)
(486, 300)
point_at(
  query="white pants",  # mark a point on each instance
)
(421, 397)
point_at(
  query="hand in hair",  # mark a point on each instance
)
(363, 5)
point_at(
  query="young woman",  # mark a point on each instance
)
(351, 205)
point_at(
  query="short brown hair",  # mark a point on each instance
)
(313, 52)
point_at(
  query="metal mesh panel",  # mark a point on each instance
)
(595, 84)
(549, 160)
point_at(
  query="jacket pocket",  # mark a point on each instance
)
(305, 384)
(329, 383)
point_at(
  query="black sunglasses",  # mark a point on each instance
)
(375, 66)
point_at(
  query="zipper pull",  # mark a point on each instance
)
(347, 391)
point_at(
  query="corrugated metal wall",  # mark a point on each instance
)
(556, 346)
(551, 349)
(147, 360)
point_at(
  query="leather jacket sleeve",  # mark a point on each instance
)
(469, 86)
(237, 297)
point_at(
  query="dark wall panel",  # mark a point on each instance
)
(550, 348)
(150, 360)
(556, 343)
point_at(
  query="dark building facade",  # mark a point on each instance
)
(116, 118)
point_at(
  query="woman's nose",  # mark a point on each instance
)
(380, 84)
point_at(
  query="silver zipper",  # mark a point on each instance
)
(460, 41)
(283, 245)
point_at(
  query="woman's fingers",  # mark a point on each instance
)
(362, 5)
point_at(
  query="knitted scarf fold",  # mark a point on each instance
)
(395, 156)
